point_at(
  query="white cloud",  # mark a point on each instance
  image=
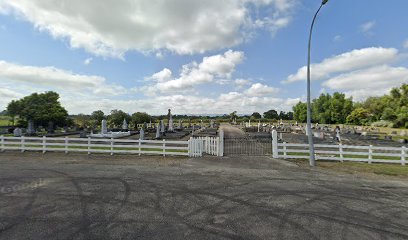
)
(337, 38)
(406, 44)
(373, 81)
(180, 26)
(162, 76)
(259, 90)
(49, 78)
(214, 67)
(7, 93)
(367, 26)
(346, 62)
(88, 61)
(242, 82)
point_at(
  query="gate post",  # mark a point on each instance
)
(221, 144)
(275, 153)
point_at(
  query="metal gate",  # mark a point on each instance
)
(248, 146)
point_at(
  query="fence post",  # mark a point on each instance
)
(22, 140)
(341, 152)
(370, 154)
(43, 144)
(275, 153)
(111, 147)
(89, 145)
(221, 144)
(66, 145)
(189, 147)
(403, 152)
(140, 147)
(164, 147)
(2, 143)
(284, 150)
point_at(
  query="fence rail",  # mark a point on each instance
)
(192, 147)
(369, 154)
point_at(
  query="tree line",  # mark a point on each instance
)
(389, 110)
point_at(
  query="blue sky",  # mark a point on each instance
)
(198, 56)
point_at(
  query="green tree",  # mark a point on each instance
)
(98, 116)
(300, 112)
(321, 111)
(271, 114)
(116, 118)
(358, 116)
(140, 117)
(256, 115)
(340, 108)
(233, 115)
(40, 108)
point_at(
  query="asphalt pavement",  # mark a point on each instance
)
(59, 196)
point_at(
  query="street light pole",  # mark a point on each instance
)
(309, 105)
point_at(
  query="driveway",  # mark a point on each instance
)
(59, 196)
(232, 132)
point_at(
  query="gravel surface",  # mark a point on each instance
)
(76, 196)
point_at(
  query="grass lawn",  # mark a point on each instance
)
(355, 167)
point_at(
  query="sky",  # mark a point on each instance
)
(199, 57)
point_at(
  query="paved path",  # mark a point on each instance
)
(76, 196)
(232, 132)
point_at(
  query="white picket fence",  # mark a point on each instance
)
(192, 147)
(211, 145)
(369, 154)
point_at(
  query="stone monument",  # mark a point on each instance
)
(124, 125)
(104, 128)
(162, 129)
(17, 132)
(141, 134)
(170, 128)
(158, 130)
(30, 128)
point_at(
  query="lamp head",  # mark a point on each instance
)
(324, 2)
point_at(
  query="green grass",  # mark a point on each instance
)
(347, 156)
(394, 170)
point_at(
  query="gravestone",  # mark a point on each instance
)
(17, 132)
(145, 125)
(171, 128)
(212, 124)
(162, 130)
(141, 134)
(180, 125)
(50, 128)
(124, 125)
(30, 128)
(403, 133)
(104, 128)
(82, 134)
(158, 130)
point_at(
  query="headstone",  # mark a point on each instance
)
(158, 130)
(162, 130)
(82, 134)
(171, 128)
(180, 124)
(145, 125)
(403, 141)
(192, 132)
(30, 128)
(141, 134)
(104, 128)
(212, 124)
(403, 133)
(319, 135)
(124, 125)
(259, 125)
(50, 128)
(17, 132)
(150, 124)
